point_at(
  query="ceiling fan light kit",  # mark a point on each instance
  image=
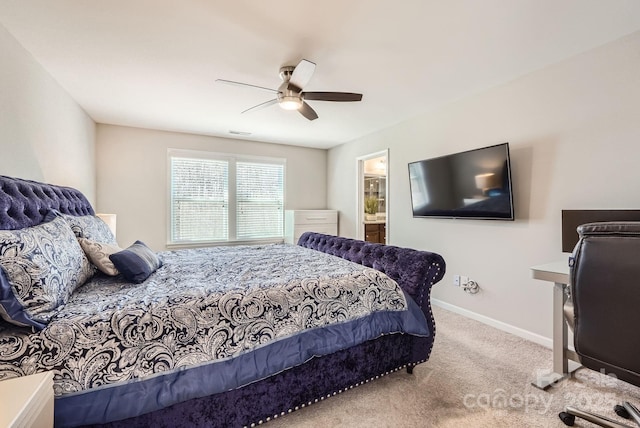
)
(290, 95)
(290, 103)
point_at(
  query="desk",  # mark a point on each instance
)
(558, 273)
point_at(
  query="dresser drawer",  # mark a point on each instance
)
(296, 222)
(315, 217)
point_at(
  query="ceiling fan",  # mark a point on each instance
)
(290, 95)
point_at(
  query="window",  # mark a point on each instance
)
(224, 198)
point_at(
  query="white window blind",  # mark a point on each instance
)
(199, 200)
(224, 198)
(260, 200)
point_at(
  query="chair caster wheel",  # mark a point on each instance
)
(568, 419)
(621, 411)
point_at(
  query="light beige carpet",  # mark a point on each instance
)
(477, 376)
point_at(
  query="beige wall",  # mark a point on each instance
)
(573, 129)
(574, 132)
(44, 134)
(132, 176)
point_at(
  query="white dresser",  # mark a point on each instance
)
(296, 222)
(27, 402)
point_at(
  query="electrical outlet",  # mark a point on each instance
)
(464, 280)
(456, 280)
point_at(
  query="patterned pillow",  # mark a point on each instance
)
(137, 262)
(98, 253)
(87, 226)
(40, 266)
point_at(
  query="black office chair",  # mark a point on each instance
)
(605, 289)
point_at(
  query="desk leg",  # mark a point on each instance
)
(560, 333)
(560, 346)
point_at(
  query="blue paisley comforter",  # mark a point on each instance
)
(230, 315)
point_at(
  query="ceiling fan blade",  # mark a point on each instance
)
(308, 112)
(332, 96)
(262, 105)
(231, 82)
(301, 75)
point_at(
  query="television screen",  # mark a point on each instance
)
(472, 184)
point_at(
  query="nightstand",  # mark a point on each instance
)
(27, 401)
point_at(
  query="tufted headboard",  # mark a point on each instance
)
(24, 203)
(415, 271)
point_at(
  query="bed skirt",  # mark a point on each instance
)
(289, 390)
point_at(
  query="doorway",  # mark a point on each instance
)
(373, 197)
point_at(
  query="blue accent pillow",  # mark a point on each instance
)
(136, 263)
(40, 266)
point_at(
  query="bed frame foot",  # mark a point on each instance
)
(410, 369)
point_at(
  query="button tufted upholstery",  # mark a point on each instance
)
(24, 203)
(415, 271)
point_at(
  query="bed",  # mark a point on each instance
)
(219, 336)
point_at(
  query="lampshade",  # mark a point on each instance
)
(110, 219)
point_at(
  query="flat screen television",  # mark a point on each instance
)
(475, 184)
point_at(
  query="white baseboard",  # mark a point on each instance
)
(525, 334)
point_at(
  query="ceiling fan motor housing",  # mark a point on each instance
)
(286, 72)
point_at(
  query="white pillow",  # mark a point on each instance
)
(98, 253)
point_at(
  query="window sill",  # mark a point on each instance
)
(201, 244)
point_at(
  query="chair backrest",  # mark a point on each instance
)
(605, 287)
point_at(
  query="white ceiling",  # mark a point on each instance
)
(153, 63)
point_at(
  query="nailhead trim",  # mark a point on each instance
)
(261, 421)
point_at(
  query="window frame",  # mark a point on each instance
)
(232, 159)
